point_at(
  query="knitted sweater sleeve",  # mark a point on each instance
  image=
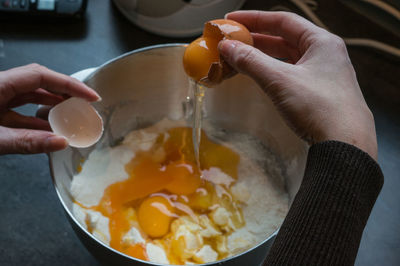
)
(328, 215)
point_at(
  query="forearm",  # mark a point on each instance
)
(326, 220)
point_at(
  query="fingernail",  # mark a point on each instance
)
(97, 95)
(226, 46)
(226, 15)
(92, 91)
(55, 142)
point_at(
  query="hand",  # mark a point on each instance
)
(34, 84)
(316, 89)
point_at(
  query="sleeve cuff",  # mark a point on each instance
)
(346, 167)
(328, 215)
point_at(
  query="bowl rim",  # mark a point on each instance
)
(136, 51)
(66, 209)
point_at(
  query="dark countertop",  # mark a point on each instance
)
(33, 227)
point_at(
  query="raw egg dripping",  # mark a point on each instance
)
(206, 68)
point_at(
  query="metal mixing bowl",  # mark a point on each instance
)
(140, 88)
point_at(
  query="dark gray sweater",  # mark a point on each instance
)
(328, 215)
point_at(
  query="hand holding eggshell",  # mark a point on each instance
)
(78, 121)
(34, 84)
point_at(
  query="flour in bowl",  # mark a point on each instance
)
(148, 198)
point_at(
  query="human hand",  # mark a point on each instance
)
(316, 89)
(34, 84)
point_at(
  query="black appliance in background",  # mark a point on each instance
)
(43, 8)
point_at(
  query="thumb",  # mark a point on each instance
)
(250, 61)
(15, 140)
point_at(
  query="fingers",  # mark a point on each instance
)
(39, 96)
(24, 79)
(290, 26)
(16, 120)
(275, 46)
(29, 141)
(251, 61)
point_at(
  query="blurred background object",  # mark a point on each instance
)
(379, 11)
(34, 229)
(43, 8)
(175, 18)
(385, 13)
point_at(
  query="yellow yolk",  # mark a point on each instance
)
(137, 251)
(79, 168)
(202, 199)
(145, 178)
(162, 188)
(185, 178)
(155, 215)
(179, 146)
(203, 52)
(199, 56)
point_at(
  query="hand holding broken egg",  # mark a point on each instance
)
(202, 61)
(314, 87)
(304, 69)
(34, 84)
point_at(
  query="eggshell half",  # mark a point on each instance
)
(78, 121)
(229, 29)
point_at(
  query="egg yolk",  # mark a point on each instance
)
(137, 251)
(185, 178)
(199, 56)
(163, 186)
(155, 215)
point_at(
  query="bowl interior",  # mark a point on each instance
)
(147, 85)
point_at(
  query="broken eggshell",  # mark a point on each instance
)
(78, 121)
(202, 61)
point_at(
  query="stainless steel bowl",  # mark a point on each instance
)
(140, 88)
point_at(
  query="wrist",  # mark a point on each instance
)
(359, 132)
(368, 145)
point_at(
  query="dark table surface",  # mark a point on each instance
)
(33, 227)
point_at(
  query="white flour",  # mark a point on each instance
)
(259, 186)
